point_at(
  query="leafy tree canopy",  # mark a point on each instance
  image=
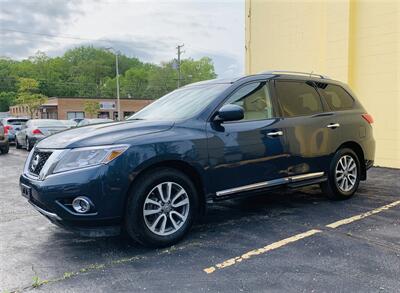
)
(87, 71)
(28, 95)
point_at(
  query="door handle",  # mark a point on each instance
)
(275, 133)
(333, 125)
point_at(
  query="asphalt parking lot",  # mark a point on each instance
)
(292, 241)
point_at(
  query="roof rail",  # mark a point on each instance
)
(295, 73)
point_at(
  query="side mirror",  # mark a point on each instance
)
(229, 112)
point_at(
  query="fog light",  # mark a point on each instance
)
(81, 204)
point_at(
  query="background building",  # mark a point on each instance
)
(357, 42)
(73, 107)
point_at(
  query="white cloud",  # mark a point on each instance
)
(149, 30)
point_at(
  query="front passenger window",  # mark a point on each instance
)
(255, 99)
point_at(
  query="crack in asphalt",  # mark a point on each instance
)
(96, 267)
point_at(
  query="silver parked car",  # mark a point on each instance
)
(37, 129)
(69, 123)
(12, 125)
(85, 121)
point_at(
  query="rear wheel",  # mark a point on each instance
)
(28, 144)
(17, 145)
(161, 208)
(344, 175)
(5, 149)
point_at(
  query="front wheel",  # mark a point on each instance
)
(17, 145)
(161, 208)
(343, 175)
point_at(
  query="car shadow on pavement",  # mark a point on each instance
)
(274, 204)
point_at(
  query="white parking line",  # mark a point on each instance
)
(362, 216)
(262, 250)
(281, 243)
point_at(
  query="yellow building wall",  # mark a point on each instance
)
(357, 42)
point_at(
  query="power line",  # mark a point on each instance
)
(65, 36)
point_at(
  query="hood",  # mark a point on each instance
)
(102, 134)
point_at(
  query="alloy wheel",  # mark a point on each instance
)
(166, 208)
(346, 173)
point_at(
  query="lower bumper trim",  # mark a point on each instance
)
(45, 213)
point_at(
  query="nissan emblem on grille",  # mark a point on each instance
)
(35, 162)
(38, 161)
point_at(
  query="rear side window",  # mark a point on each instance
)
(298, 98)
(336, 97)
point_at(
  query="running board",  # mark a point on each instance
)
(291, 180)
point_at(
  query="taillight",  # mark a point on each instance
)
(36, 131)
(368, 118)
(7, 128)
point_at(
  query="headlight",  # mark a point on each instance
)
(87, 157)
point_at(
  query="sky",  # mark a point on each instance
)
(149, 30)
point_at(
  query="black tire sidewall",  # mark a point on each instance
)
(134, 221)
(332, 180)
(28, 144)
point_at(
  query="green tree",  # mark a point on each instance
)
(7, 99)
(28, 95)
(88, 71)
(91, 108)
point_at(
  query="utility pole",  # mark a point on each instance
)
(117, 77)
(179, 47)
(118, 100)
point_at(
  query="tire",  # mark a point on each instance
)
(28, 144)
(6, 149)
(17, 145)
(343, 176)
(142, 197)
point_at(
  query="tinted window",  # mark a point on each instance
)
(255, 99)
(336, 97)
(17, 121)
(298, 98)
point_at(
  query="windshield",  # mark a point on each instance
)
(181, 104)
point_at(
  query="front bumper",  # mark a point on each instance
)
(52, 197)
(97, 231)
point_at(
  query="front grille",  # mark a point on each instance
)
(37, 161)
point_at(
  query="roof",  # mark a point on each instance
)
(271, 73)
(214, 81)
(100, 98)
(50, 102)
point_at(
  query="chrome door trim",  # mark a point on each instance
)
(253, 186)
(269, 183)
(306, 176)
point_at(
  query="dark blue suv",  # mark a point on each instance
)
(154, 173)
